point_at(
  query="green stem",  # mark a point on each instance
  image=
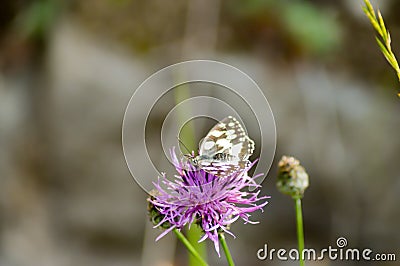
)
(190, 248)
(226, 249)
(193, 235)
(300, 234)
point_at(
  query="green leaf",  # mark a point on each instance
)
(374, 23)
(385, 52)
(382, 25)
(369, 8)
(384, 44)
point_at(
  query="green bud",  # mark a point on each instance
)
(155, 216)
(292, 177)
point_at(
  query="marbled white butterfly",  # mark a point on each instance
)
(225, 149)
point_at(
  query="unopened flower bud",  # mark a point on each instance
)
(292, 177)
(155, 216)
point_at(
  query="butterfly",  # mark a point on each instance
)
(225, 149)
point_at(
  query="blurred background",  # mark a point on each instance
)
(68, 69)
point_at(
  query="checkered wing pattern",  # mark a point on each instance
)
(225, 149)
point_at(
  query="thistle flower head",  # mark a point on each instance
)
(212, 202)
(292, 177)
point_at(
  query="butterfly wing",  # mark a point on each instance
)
(226, 148)
(221, 168)
(227, 137)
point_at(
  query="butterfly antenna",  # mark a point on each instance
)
(183, 144)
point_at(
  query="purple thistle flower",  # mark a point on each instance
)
(210, 201)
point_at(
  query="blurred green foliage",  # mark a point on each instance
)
(36, 20)
(314, 29)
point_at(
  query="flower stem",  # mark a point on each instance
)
(300, 234)
(226, 249)
(190, 248)
(193, 235)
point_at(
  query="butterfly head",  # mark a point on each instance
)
(192, 159)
